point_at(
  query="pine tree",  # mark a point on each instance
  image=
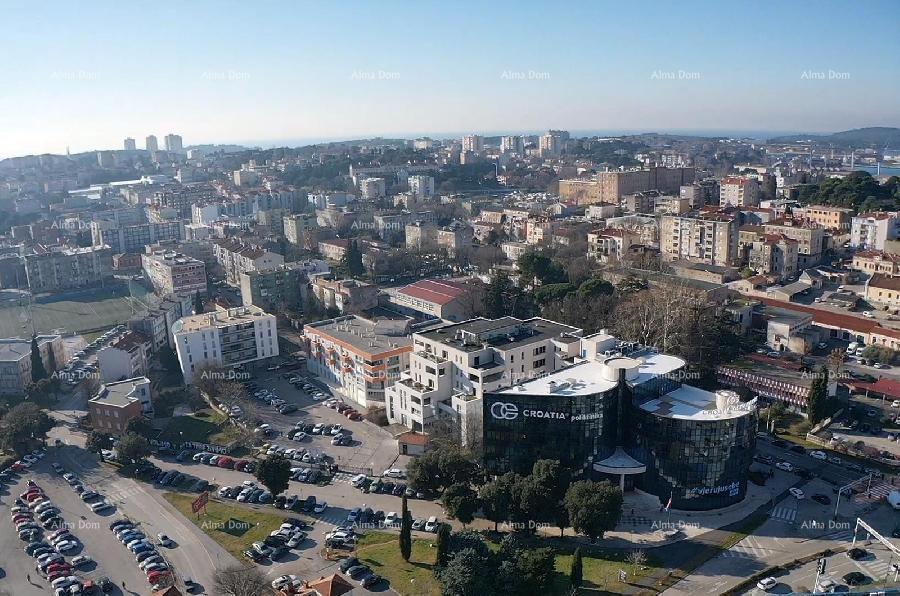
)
(405, 531)
(198, 303)
(576, 570)
(443, 546)
(353, 260)
(38, 371)
(817, 400)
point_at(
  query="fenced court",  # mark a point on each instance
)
(72, 312)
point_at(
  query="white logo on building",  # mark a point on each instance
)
(504, 411)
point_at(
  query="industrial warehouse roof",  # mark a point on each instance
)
(436, 291)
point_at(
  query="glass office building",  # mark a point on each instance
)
(629, 419)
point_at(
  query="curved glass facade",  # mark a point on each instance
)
(702, 464)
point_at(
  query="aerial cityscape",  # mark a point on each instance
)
(450, 299)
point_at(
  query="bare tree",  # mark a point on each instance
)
(637, 559)
(241, 581)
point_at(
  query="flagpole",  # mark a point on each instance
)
(669, 510)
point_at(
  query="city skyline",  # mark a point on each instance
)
(87, 77)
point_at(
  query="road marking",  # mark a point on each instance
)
(787, 514)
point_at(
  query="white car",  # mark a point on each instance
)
(826, 585)
(895, 403)
(766, 584)
(785, 466)
(66, 546)
(81, 560)
(300, 436)
(798, 494)
(320, 507)
(391, 518)
(283, 581)
(394, 473)
(818, 455)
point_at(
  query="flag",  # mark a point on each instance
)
(669, 504)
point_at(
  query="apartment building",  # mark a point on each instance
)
(15, 361)
(512, 144)
(335, 249)
(238, 257)
(281, 289)
(739, 191)
(473, 143)
(156, 324)
(705, 237)
(61, 268)
(182, 197)
(774, 254)
(451, 368)
(116, 404)
(345, 295)
(830, 218)
(133, 237)
(453, 239)
(883, 289)
(126, 358)
(609, 245)
(224, 339)
(514, 250)
(360, 356)
(810, 239)
(871, 230)
(876, 261)
(300, 229)
(610, 187)
(421, 236)
(372, 188)
(173, 273)
(421, 187)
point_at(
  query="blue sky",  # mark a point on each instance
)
(88, 74)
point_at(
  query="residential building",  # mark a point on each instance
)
(60, 268)
(372, 188)
(133, 237)
(360, 356)
(421, 236)
(238, 257)
(173, 143)
(706, 237)
(826, 216)
(883, 289)
(790, 331)
(609, 245)
(454, 238)
(126, 358)
(129, 144)
(151, 144)
(512, 144)
(610, 187)
(300, 229)
(872, 230)
(224, 339)
(116, 404)
(876, 261)
(157, 323)
(473, 143)
(514, 250)
(345, 295)
(281, 289)
(453, 366)
(810, 239)
(173, 273)
(334, 249)
(15, 361)
(422, 187)
(739, 191)
(550, 145)
(438, 298)
(774, 254)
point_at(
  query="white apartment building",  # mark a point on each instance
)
(512, 144)
(15, 361)
(237, 257)
(359, 356)
(739, 191)
(452, 366)
(422, 187)
(609, 245)
(126, 358)
(173, 273)
(372, 188)
(300, 229)
(473, 143)
(710, 238)
(871, 230)
(224, 339)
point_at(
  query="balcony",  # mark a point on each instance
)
(431, 357)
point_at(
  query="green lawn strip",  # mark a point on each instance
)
(381, 552)
(233, 527)
(193, 427)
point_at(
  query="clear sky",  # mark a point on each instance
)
(87, 74)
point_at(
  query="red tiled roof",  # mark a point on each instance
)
(887, 387)
(438, 292)
(832, 319)
(413, 438)
(884, 282)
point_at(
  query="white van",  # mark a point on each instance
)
(893, 499)
(852, 347)
(432, 524)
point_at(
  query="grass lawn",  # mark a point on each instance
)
(194, 427)
(381, 552)
(234, 527)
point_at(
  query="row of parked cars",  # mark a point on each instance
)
(291, 534)
(78, 368)
(344, 409)
(33, 513)
(385, 487)
(224, 461)
(146, 555)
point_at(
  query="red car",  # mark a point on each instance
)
(32, 497)
(240, 464)
(354, 415)
(31, 491)
(56, 568)
(225, 462)
(155, 576)
(17, 467)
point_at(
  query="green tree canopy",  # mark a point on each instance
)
(132, 448)
(274, 473)
(594, 507)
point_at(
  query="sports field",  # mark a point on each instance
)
(72, 312)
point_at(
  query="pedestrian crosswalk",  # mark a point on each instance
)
(837, 536)
(877, 492)
(748, 548)
(787, 514)
(343, 477)
(875, 568)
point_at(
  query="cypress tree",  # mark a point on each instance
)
(576, 571)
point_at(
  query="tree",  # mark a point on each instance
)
(352, 260)
(576, 570)
(238, 580)
(140, 425)
(466, 574)
(443, 546)
(23, 423)
(198, 303)
(536, 568)
(38, 371)
(494, 306)
(274, 473)
(405, 531)
(441, 467)
(538, 266)
(817, 400)
(132, 448)
(594, 507)
(97, 441)
(637, 558)
(461, 502)
(497, 497)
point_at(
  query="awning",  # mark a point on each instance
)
(620, 463)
